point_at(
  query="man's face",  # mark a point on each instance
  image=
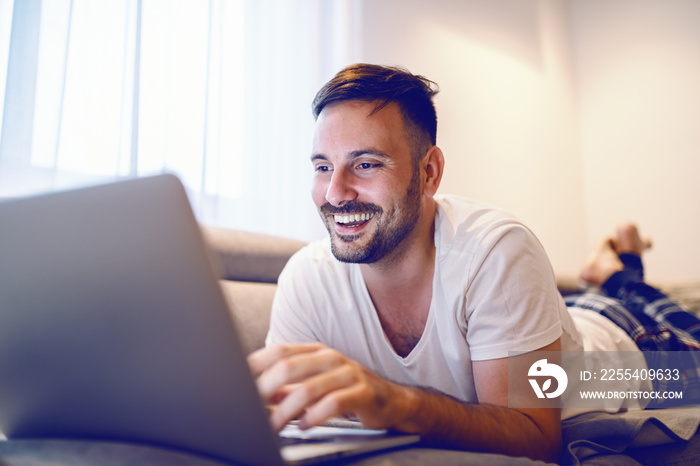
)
(366, 187)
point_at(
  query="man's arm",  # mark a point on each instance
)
(491, 426)
(313, 383)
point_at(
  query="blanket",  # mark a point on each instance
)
(637, 433)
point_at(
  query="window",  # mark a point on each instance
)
(217, 92)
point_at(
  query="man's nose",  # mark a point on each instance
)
(340, 189)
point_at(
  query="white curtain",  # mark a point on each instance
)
(215, 91)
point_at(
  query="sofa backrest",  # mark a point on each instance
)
(250, 257)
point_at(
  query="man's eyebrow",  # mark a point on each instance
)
(376, 153)
(354, 154)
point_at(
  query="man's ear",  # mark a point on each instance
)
(432, 165)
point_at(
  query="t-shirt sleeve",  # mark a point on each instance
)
(512, 303)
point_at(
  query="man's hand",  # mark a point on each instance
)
(313, 383)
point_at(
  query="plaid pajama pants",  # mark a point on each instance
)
(656, 323)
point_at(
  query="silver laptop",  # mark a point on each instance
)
(113, 326)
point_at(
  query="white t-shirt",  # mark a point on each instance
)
(494, 291)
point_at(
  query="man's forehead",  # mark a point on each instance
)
(352, 127)
(359, 119)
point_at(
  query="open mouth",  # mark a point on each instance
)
(353, 220)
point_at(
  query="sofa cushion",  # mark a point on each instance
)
(250, 303)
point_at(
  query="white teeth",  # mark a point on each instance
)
(352, 218)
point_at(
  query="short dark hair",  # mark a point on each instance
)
(413, 94)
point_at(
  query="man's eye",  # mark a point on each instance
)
(321, 168)
(367, 165)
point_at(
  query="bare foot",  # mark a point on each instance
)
(601, 264)
(628, 240)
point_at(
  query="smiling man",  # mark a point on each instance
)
(405, 316)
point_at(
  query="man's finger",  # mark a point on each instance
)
(309, 392)
(262, 359)
(334, 404)
(297, 368)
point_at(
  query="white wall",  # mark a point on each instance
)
(506, 110)
(574, 115)
(638, 78)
